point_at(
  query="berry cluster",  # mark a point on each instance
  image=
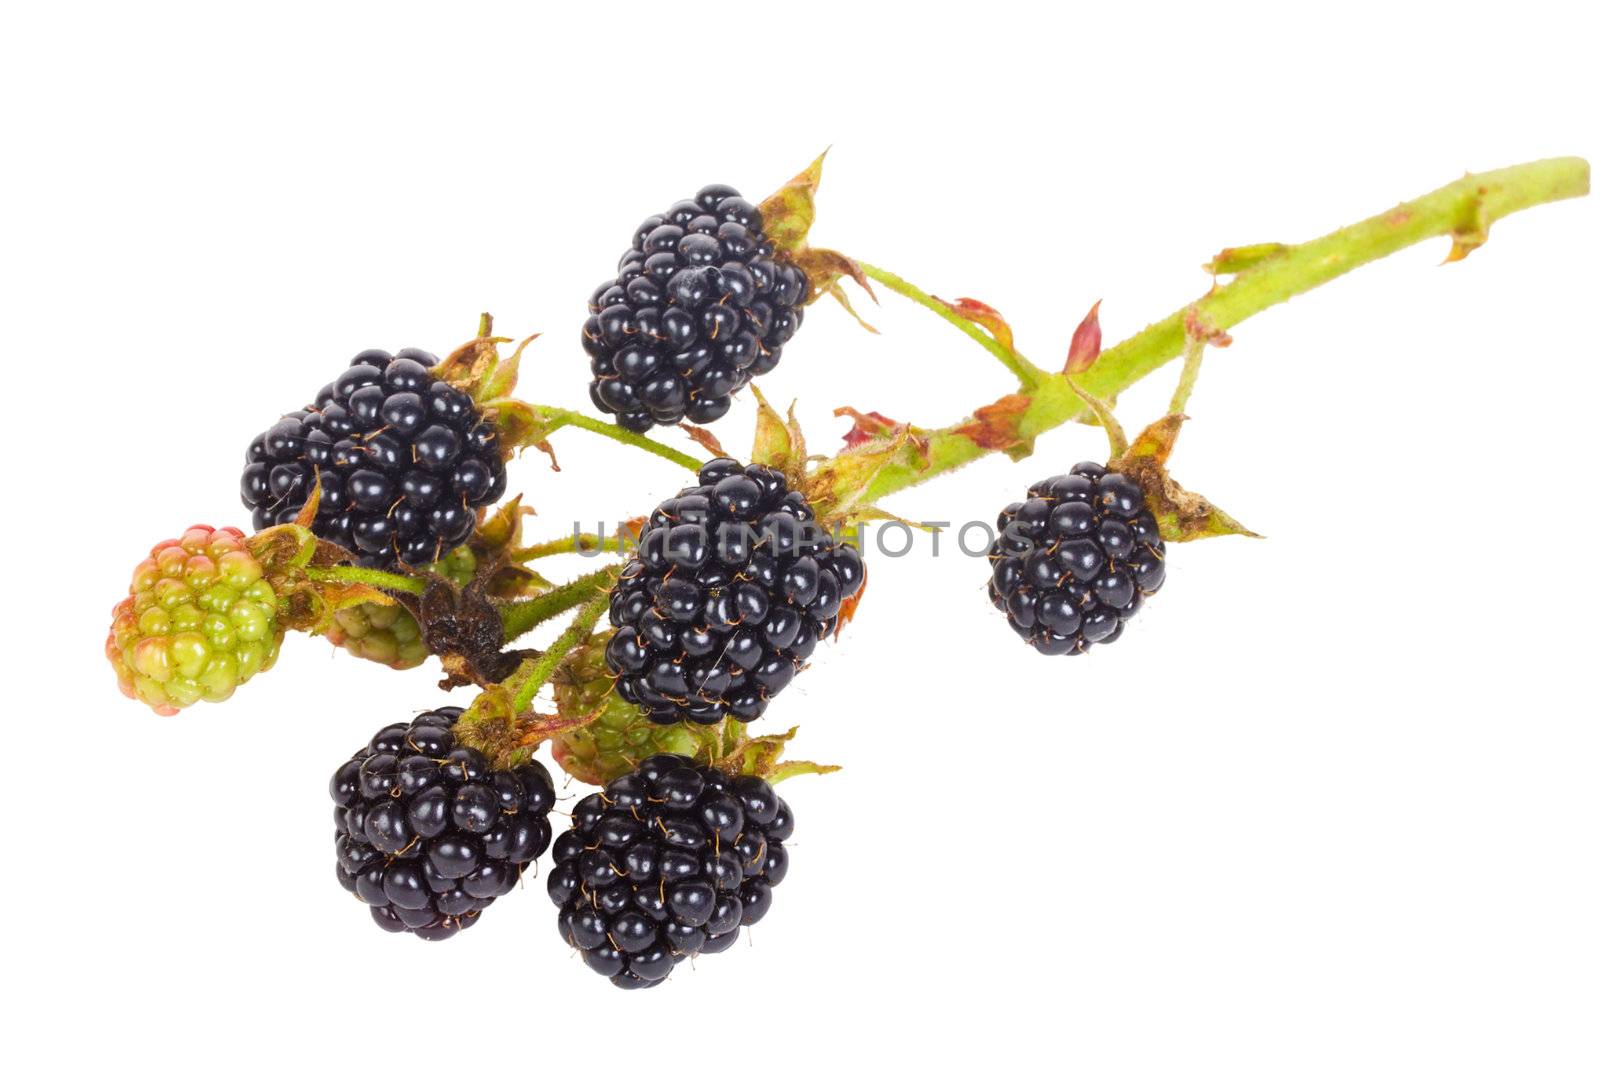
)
(403, 461)
(733, 585)
(699, 305)
(667, 862)
(428, 833)
(200, 618)
(1075, 560)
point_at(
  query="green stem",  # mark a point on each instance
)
(555, 418)
(1193, 354)
(1464, 210)
(585, 543)
(1027, 373)
(383, 580)
(519, 617)
(581, 627)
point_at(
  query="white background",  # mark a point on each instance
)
(1331, 801)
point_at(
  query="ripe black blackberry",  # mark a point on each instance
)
(699, 305)
(1075, 560)
(732, 586)
(428, 835)
(404, 461)
(667, 862)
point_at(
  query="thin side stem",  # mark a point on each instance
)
(383, 580)
(578, 543)
(1027, 373)
(556, 418)
(1463, 210)
(581, 627)
(1193, 355)
(519, 617)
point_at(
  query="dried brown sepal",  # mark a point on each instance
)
(284, 553)
(472, 363)
(462, 626)
(998, 426)
(310, 606)
(520, 426)
(705, 439)
(869, 426)
(825, 269)
(837, 292)
(981, 314)
(477, 369)
(1181, 514)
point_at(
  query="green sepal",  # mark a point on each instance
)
(476, 367)
(762, 757)
(788, 214)
(599, 736)
(304, 603)
(787, 217)
(779, 441)
(478, 370)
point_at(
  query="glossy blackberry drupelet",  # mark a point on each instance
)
(404, 462)
(666, 862)
(1075, 560)
(428, 835)
(732, 586)
(699, 306)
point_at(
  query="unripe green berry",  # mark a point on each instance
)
(622, 736)
(200, 618)
(388, 633)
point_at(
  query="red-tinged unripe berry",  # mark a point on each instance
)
(200, 618)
